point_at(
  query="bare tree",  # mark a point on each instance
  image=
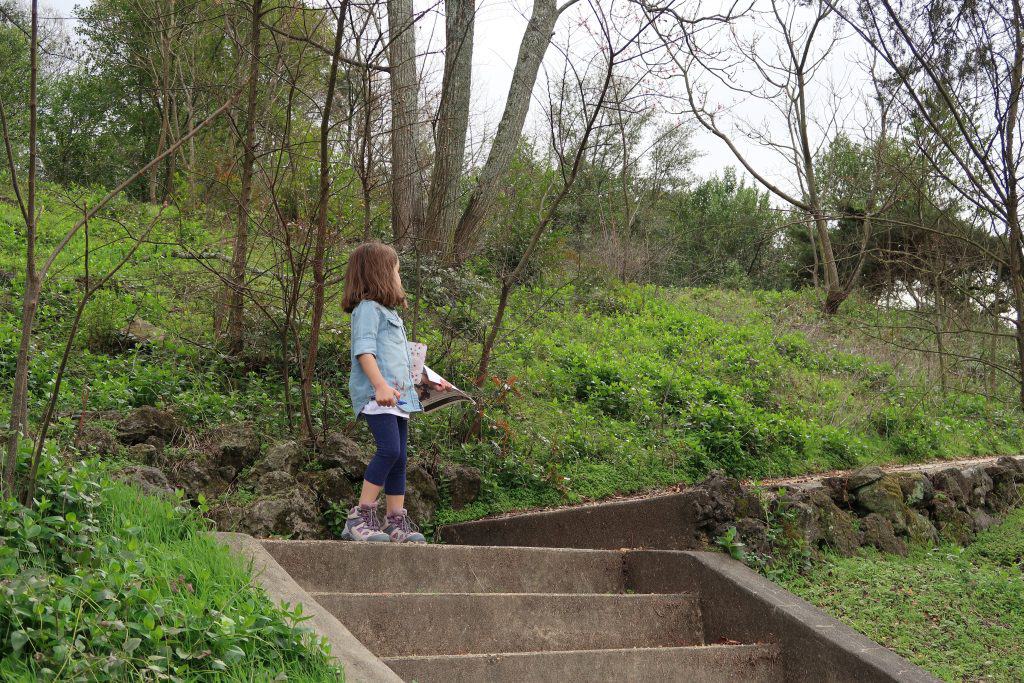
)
(35, 277)
(240, 253)
(365, 108)
(961, 74)
(799, 44)
(320, 248)
(570, 145)
(90, 289)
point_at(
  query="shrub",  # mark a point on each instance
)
(105, 315)
(100, 583)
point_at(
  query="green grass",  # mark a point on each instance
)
(958, 612)
(631, 388)
(103, 583)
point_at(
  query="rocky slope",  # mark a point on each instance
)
(284, 488)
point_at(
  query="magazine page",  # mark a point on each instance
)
(432, 398)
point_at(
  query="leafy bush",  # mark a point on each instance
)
(105, 315)
(100, 583)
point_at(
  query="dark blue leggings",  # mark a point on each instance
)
(387, 468)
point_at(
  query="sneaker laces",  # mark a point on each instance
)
(402, 522)
(369, 517)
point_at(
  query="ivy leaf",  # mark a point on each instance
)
(18, 640)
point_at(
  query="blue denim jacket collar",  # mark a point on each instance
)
(380, 331)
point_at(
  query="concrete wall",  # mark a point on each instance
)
(739, 604)
(668, 522)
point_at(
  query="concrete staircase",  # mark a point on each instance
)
(477, 613)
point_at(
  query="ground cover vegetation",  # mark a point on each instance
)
(182, 183)
(954, 610)
(100, 583)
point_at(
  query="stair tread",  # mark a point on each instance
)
(719, 663)
(393, 624)
(484, 596)
(768, 647)
(347, 566)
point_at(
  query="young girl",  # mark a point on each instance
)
(382, 390)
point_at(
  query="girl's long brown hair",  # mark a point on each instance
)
(371, 275)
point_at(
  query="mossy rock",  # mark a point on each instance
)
(920, 529)
(953, 524)
(885, 497)
(879, 532)
(917, 488)
(838, 530)
(864, 476)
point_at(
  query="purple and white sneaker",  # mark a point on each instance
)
(401, 530)
(362, 524)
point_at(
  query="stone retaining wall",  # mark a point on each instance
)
(888, 510)
(869, 507)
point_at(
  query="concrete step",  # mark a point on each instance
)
(402, 624)
(345, 566)
(700, 664)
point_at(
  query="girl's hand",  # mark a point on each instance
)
(443, 385)
(387, 396)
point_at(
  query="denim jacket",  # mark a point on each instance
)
(380, 331)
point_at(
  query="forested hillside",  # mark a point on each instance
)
(595, 388)
(182, 184)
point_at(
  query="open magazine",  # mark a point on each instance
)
(432, 398)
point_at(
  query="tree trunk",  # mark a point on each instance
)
(452, 124)
(33, 282)
(406, 180)
(940, 325)
(320, 245)
(154, 173)
(1012, 190)
(172, 160)
(241, 247)
(510, 129)
(835, 295)
(492, 334)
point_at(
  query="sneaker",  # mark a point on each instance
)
(401, 530)
(362, 524)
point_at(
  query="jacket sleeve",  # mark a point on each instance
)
(365, 320)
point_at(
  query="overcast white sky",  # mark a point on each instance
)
(499, 28)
